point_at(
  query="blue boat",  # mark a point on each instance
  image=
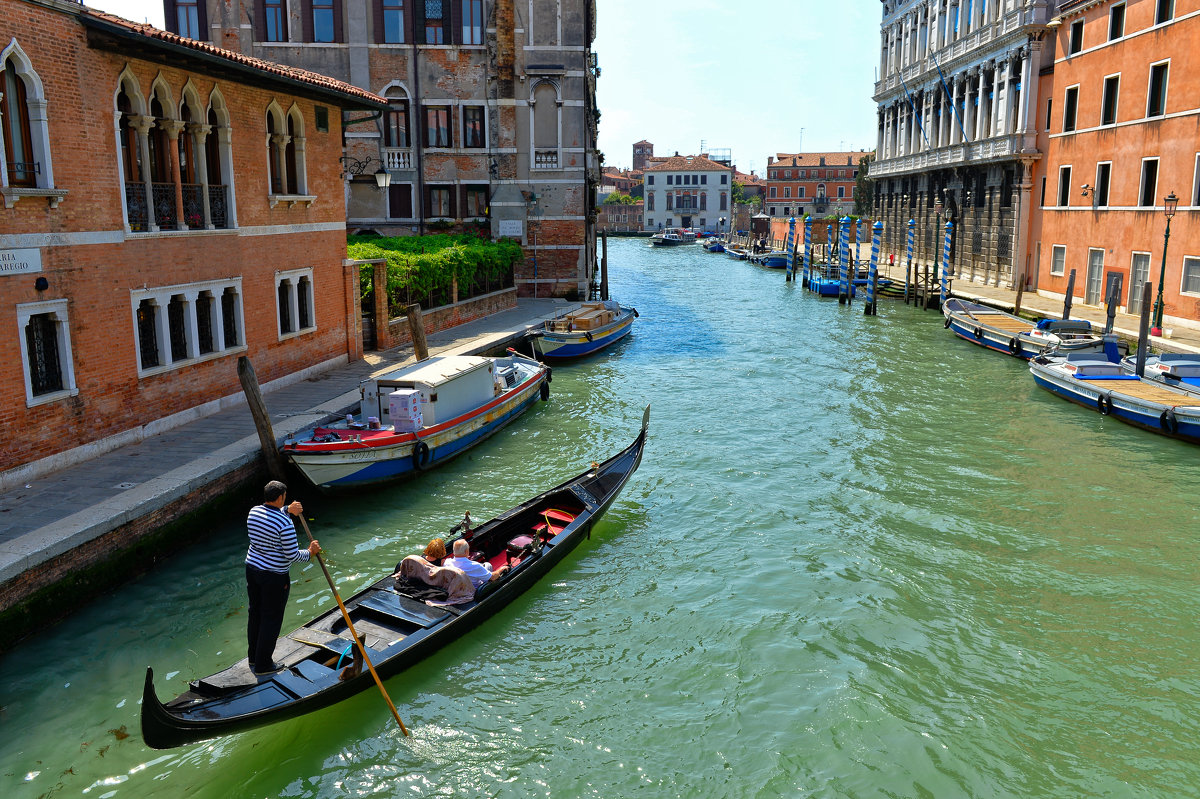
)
(585, 331)
(1099, 382)
(416, 417)
(1004, 332)
(1174, 369)
(771, 260)
(827, 286)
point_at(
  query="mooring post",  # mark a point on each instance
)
(1143, 331)
(416, 325)
(807, 251)
(1070, 295)
(873, 284)
(604, 264)
(912, 231)
(1113, 300)
(790, 246)
(946, 264)
(828, 247)
(262, 419)
(844, 286)
(858, 242)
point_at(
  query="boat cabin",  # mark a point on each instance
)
(449, 386)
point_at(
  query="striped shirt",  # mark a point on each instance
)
(272, 540)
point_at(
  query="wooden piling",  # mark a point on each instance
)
(416, 324)
(262, 420)
(604, 264)
(1143, 331)
(1070, 295)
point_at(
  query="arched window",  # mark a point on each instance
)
(18, 135)
(274, 156)
(396, 126)
(293, 186)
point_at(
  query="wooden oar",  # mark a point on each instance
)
(354, 634)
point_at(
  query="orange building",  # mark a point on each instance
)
(1121, 115)
(811, 183)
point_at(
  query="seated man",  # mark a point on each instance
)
(479, 573)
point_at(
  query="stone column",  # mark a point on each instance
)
(200, 134)
(172, 128)
(1029, 92)
(142, 124)
(981, 100)
(956, 130)
(281, 141)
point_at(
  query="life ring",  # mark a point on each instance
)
(1014, 346)
(1104, 404)
(978, 332)
(1168, 421)
(545, 389)
(421, 457)
(946, 324)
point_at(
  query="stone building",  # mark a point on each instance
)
(168, 207)
(643, 151)
(1120, 138)
(957, 129)
(491, 123)
(811, 183)
(687, 191)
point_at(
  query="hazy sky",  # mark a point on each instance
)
(754, 76)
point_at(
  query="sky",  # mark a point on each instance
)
(756, 77)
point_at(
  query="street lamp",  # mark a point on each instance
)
(354, 166)
(1169, 205)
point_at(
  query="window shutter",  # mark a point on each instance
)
(410, 22)
(455, 22)
(400, 201)
(337, 21)
(415, 9)
(260, 20)
(427, 204)
(453, 203)
(377, 20)
(172, 17)
(201, 20)
(306, 13)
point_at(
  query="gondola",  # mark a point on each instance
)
(394, 616)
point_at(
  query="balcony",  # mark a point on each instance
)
(545, 159)
(993, 149)
(164, 205)
(397, 158)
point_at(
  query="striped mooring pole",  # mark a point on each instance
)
(829, 259)
(946, 262)
(790, 247)
(807, 251)
(858, 240)
(912, 232)
(873, 279)
(845, 286)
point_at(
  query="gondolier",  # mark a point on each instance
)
(273, 550)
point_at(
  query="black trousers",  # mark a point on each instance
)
(268, 592)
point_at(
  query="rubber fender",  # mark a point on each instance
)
(588, 335)
(946, 324)
(636, 315)
(1104, 404)
(978, 332)
(545, 389)
(1014, 346)
(421, 457)
(1168, 421)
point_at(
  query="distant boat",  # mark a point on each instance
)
(1174, 369)
(1005, 332)
(585, 331)
(713, 245)
(672, 237)
(735, 252)
(771, 260)
(1094, 381)
(413, 418)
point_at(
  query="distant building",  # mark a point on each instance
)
(622, 180)
(687, 191)
(811, 183)
(620, 218)
(642, 152)
(491, 120)
(157, 224)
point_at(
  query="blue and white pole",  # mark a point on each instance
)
(790, 247)
(807, 250)
(873, 279)
(858, 253)
(912, 232)
(844, 260)
(829, 259)
(946, 262)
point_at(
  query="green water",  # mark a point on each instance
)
(861, 558)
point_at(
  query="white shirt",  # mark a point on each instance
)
(478, 572)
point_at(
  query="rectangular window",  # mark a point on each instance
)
(1076, 42)
(704, 180)
(772, 191)
(1064, 186)
(395, 129)
(323, 22)
(439, 202)
(41, 349)
(1191, 276)
(1116, 21)
(1148, 189)
(1043, 201)
(650, 201)
(1108, 104)
(1070, 103)
(204, 323)
(147, 333)
(1139, 273)
(841, 191)
(472, 21)
(231, 316)
(473, 125)
(1196, 182)
(787, 173)
(435, 23)
(437, 126)
(393, 21)
(650, 180)
(1049, 108)
(669, 177)
(294, 294)
(1164, 11)
(1156, 96)
(283, 301)
(187, 17)
(773, 211)
(724, 201)
(475, 200)
(787, 192)
(177, 328)
(275, 21)
(1103, 178)
(1058, 259)
(400, 204)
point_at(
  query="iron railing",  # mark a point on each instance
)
(164, 205)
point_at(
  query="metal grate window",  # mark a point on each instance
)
(204, 329)
(41, 341)
(176, 328)
(229, 301)
(303, 295)
(147, 330)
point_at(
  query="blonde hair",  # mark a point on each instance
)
(436, 550)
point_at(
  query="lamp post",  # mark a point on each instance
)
(1170, 203)
(354, 166)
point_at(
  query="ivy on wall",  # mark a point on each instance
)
(424, 268)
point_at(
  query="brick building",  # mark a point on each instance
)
(687, 191)
(491, 121)
(957, 131)
(811, 183)
(621, 218)
(643, 151)
(167, 207)
(1120, 136)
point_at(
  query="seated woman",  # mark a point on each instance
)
(435, 551)
(426, 568)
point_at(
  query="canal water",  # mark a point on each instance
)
(860, 558)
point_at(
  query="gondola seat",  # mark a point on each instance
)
(552, 516)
